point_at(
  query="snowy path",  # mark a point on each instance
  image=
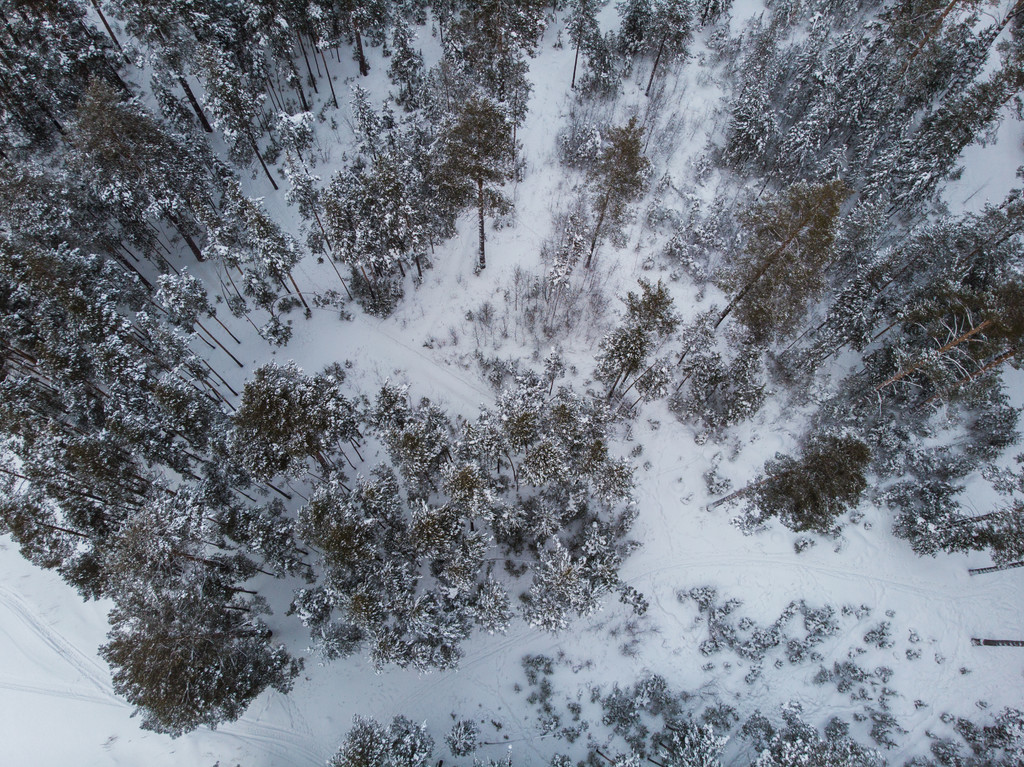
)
(34, 632)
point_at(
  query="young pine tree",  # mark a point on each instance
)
(618, 177)
(478, 157)
(581, 26)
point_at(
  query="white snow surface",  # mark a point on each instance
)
(56, 702)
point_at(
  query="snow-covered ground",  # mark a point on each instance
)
(56, 703)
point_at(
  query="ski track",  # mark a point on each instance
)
(282, 742)
(376, 348)
(851, 573)
(64, 693)
(88, 667)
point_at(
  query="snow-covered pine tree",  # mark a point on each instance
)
(462, 739)
(490, 39)
(286, 417)
(581, 27)
(418, 441)
(406, 70)
(477, 158)
(370, 744)
(186, 658)
(710, 11)
(618, 177)
(799, 743)
(650, 319)
(671, 22)
(561, 589)
(236, 103)
(634, 27)
(51, 55)
(753, 125)
(782, 266)
(811, 492)
(689, 744)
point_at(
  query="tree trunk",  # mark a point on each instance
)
(327, 72)
(615, 384)
(480, 209)
(301, 297)
(931, 33)
(323, 231)
(355, 447)
(997, 642)
(369, 282)
(364, 68)
(302, 95)
(271, 91)
(744, 490)
(220, 377)
(334, 266)
(110, 32)
(66, 489)
(226, 329)
(195, 104)
(309, 69)
(738, 494)
(636, 380)
(574, 63)
(768, 263)
(976, 374)
(597, 228)
(942, 350)
(259, 157)
(278, 490)
(217, 341)
(184, 235)
(343, 283)
(661, 48)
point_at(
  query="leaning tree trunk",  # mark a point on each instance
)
(575, 62)
(296, 286)
(309, 69)
(299, 91)
(747, 489)
(654, 68)
(480, 209)
(195, 104)
(327, 73)
(110, 32)
(738, 494)
(931, 32)
(994, 568)
(935, 355)
(768, 263)
(976, 374)
(259, 157)
(997, 642)
(180, 229)
(222, 346)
